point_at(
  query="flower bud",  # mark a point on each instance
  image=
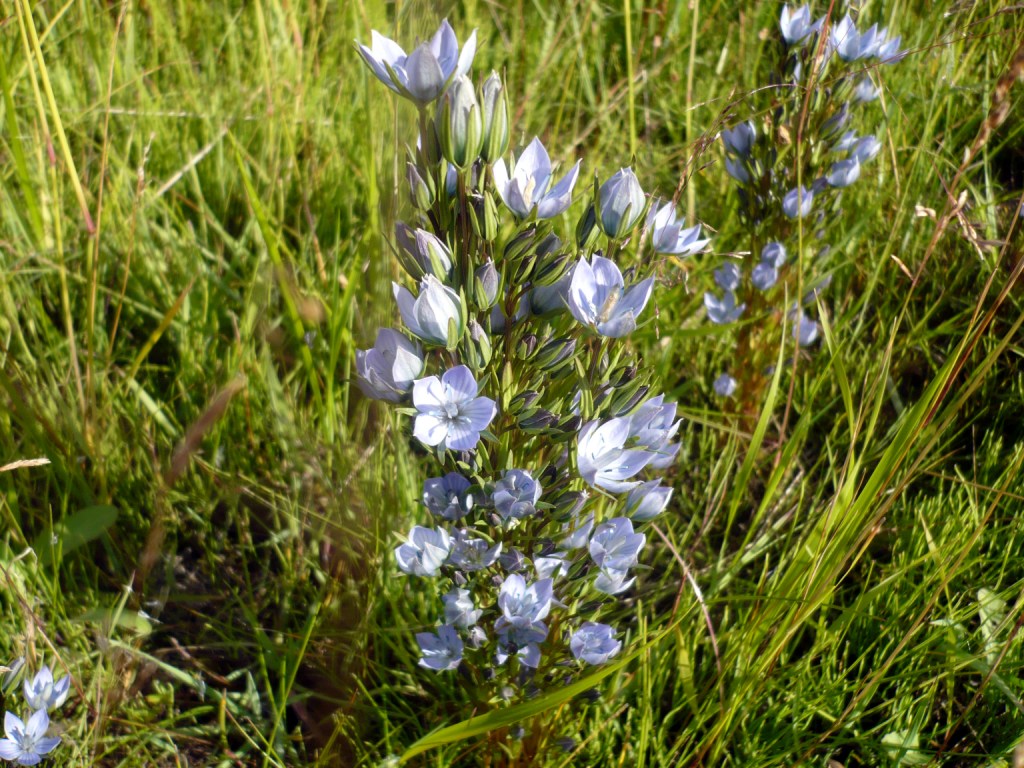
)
(538, 421)
(486, 283)
(621, 202)
(525, 346)
(422, 253)
(421, 190)
(522, 401)
(480, 350)
(495, 119)
(459, 125)
(552, 353)
(587, 232)
(483, 215)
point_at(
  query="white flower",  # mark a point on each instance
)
(669, 236)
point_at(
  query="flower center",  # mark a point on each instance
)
(451, 410)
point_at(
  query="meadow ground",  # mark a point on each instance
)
(193, 211)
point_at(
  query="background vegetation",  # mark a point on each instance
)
(194, 199)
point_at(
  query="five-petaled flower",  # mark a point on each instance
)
(424, 552)
(41, 692)
(441, 651)
(528, 187)
(387, 370)
(27, 742)
(603, 459)
(424, 74)
(594, 643)
(450, 413)
(668, 234)
(599, 299)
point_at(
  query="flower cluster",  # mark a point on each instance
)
(788, 191)
(543, 431)
(25, 741)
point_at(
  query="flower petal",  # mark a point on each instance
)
(460, 382)
(430, 429)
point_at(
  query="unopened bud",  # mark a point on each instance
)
(495, 119)
(421, 190)
(459, 125)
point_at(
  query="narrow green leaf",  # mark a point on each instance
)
(73, 532)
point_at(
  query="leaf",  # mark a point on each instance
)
(109, 617)
(500, 718)
(73, 532)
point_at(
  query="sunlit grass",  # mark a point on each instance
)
(187, 273)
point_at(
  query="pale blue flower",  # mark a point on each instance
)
(602, 458)
(441, 651)
(598, 297)
(849, 43)
(846, 142)
(774, 253)
(728, 276)
(737, 170)
(425, 73)
(836, 122)
(527, 188)
(578, 533)
(740, 140)
(446, 496)
(594, 643)
(424, 551)
(26, 743)
(652, 427)
(554, 297)
(523, 606)
(614, 546)
(433, 313)
(551, 566)
(723, 311)
(647, 501)
(612, 582)
(620, 203)
(725, 385)
(889, 51)
(388, 369)
(796, 25)
(459, 610)
(516, 495)
(668, 233)
(425, 250)
(473, 554)
(521, 642)
(805, 330)
(797, 202)
(450, 413)
(865, 149)
(865, 90)
(41, 692)
(764, 276)
(844, 173)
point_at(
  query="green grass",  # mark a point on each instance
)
(193, 204)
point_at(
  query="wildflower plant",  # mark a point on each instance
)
(791, 165)
(25, 741)
(544, 434)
